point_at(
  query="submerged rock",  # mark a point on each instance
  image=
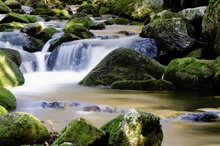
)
(123, 64)
(59, 105)
(7, 99)
(134, 128)
(21, 128)
(190, 73)
(80, 132)
(98, 108)
(200, 117)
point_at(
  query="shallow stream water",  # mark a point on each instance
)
(53, 86)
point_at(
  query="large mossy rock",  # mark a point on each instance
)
(137, 9)
(173, 32)
(88, 9)
(10, 74)
(81, 132)
(13, 4)
(13, 55)
(134, 128)
(46, 11)
(80, 31)
(123, 64)
(46, 34)
(190, 73)
(14, 17)
(21, 128)
(211, 29)
(10, 27)
(4, 9)
(7, 99)
(151, 84)
(32, 28)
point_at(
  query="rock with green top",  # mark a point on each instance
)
(151, 84)
(10, 74)
(211, 29)
(137, 9)
(190, 73)
(10, 27)
(13, 4)
(134, 128)
(81, 132)
(46, 11)
(21, 128)
(88, 9)
(4, 9)
(32, 28)
(3, 110)
(14, 17)
(7, 99)
(80, 31)
(173, 34)
(46, 34)
(13, 55)
(123, 64)
(197, 53)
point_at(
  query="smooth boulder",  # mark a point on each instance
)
(7, 99)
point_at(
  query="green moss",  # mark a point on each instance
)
(80, 132)
(3, 110)
(4, 9)
(11, 26)
(21, 128)
(88, 9)
(7, 99)
(13, 55)
(14, 17)
(80, 31)
(151, 84)
(46, 34)
(190, 73)
(198, 54)
(122, 64)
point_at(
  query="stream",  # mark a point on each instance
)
(61, 85)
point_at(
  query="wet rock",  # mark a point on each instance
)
(211, 29)
(200, 117)
(134, 128)
(32, 28)
(59, 105)
(10, 73)
(3, 110)
(96, 108)
(13, 4)
(81, 132)
(123, 64)
(10, 27)
(190, 73)
(106, 37)
(4, 9)
(21, 128)
(13, 55)
(88, 9)
(14, 17)
(143, 85)
(46, 34)
(7, 99)
(97, 26)
(80, 31)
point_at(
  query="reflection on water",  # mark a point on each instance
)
(166, 104)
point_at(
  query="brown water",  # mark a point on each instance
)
(166, 104)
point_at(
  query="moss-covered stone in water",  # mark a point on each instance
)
(13, 55)
(32, 28)
(143, 85)
(134, 128)
(80, 31)
(10, 74)
(7, 99)
(46, 34)
(3, 110)
(190, 73)
(21, 128)
(80, 132)
(4, 9)
(14, 17)
(9, 27)
(13, 4)
(88, 9)
(123, 64)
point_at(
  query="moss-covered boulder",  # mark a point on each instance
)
(3, 110)
(173, 35)
(13, 55)
(4, 9)
(151, 84)
(7, 99)
(137, 9)
(80, 132)
(66, 37)
(134, 128)
(211, 29)
(10, 74)
(123, 64)
(14, 17)
(13, 4)
(10, 27)
(46, 11)
(88, 9)
(21, 128)
(29, 2)
(32, 28)
(190, 73)
(197, 53)
(40, 4)
(46, 34)
(78, 19)
(80, 31)
(195, 16)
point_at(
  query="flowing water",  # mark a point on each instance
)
(60, 84)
